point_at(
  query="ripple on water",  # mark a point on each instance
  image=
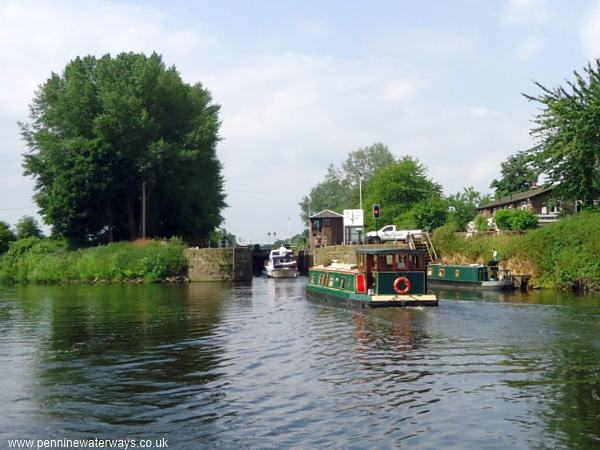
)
(258, 366)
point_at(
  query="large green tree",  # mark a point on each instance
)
(106, 128)
(398, 188)
(6, 236)
(463, 206)
(518, 172)
(567, 130)
(341, 187)
(28, 227)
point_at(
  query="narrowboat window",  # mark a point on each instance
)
(312, 279)
(429, 271)
(385, 262)
(330, 284)
(342, 283)
(457, 273)
(442, 271)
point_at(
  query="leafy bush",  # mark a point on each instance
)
(503, 219)
(481, 223)
(523, 219)
(38, 260)
(515, 219)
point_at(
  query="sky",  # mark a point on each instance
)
(303, 83)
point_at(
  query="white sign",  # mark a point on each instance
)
(353, 218)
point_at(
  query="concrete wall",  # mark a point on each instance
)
(214, 264)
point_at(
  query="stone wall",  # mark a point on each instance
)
(215, 264)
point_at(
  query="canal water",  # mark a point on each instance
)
(212, 365)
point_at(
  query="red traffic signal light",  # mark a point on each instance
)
(376, 211)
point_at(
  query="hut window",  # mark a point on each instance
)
(327, 222)
(442, 272)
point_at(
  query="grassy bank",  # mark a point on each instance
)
(34, 260)
(562, 255)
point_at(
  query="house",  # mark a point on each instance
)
(326, 228)
(539, 200)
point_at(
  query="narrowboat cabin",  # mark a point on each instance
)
(381, 278)
(470, 276)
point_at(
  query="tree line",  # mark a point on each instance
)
(567, 153)
(409, 198)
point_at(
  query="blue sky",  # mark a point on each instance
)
(301, 84)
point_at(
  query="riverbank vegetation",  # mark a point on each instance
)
(38, 260)
(564, 255)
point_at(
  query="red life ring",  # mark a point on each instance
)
(406, 282)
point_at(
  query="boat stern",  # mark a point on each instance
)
(380, 301)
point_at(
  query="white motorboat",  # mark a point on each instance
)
(281, 264)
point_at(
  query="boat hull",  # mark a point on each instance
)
(285, 272)
(370, 301)
(500, 285)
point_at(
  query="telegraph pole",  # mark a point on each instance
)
(144, 210)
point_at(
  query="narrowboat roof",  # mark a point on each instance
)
(389, 251)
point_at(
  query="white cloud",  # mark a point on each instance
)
(529, 48)
(528, 12)
(286, 116)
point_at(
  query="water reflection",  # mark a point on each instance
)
(256, 365)
(121, 355)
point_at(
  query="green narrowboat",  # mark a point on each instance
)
(470, 276)
(381, 278)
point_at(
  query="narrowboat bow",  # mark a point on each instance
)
(381, 278)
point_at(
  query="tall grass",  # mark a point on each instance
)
(34, 260)
(563, 255)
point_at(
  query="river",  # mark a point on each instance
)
(213, 365)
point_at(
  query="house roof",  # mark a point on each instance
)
(326, 214)
(516, 197)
